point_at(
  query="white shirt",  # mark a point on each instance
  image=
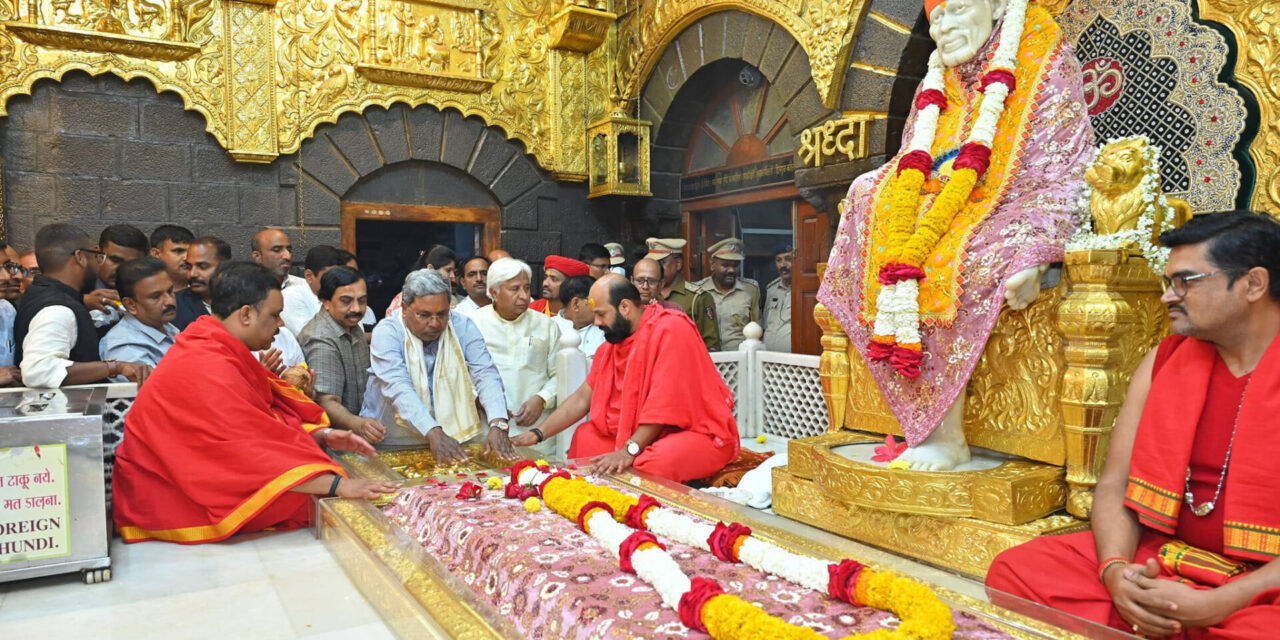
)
(7, 315)
(591, 335)
(468, 307)
(46, 350)
(285, 341)
(300, 304)
(525, 354)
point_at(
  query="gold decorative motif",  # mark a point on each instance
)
(833, 365)
(962, 544)
(824, 30)
(1256, 26)
(568, 104)
(580, 29)
(1013, 493)
(845, 136)
(1118, 200)
(250, 59)
(101, 41)
(618, 156)
(421, 80)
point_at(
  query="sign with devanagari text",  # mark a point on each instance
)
(34, 515)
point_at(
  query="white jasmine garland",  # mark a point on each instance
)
(1140, 237)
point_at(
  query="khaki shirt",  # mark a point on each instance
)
(699, 305)
(734, 309)
(777, 316)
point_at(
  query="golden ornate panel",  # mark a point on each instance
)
(825, 30)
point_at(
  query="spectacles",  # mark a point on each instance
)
(645, 282)
(17, 269)
(98, 256)
(1179, 282)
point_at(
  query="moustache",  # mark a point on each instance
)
(355, 316)
(1177, 307)
(199, 281)
(169, 309)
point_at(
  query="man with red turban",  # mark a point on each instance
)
(558, 269)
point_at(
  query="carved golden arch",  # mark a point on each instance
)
(824, 31)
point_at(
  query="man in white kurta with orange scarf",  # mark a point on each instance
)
(966, 217)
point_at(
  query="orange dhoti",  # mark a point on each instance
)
(661, 374)
(214, 444)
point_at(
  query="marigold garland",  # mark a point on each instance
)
(701, 602)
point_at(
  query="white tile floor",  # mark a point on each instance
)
(271, 585)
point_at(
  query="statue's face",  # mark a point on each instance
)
(961, 27)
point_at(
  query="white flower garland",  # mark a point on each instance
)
(1140, 237)
(898, 305)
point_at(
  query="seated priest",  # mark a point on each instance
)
(1186, 527)
(146, 332)
(428, 367)
(338, 353)
(523, 346)
(215, 443)
(656, 401)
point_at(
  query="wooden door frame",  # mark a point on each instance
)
(490, 217)
(782, 191)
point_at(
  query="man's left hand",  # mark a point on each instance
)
(1194, 608)
(343, 440)
(497, 443)
(530, 411)
(615, 462)
(370, 429)
(10, 377)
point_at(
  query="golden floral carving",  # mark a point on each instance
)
(824, 30)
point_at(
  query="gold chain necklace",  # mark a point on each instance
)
(1206, 508)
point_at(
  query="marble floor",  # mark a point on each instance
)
(268, 585)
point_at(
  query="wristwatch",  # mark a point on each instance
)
(633, 449)
(500, 423)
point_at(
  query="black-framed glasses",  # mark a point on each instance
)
(98, 256)
(646, 282)
(1179, 282)
(16, 269)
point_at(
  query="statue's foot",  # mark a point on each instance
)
(939, 456)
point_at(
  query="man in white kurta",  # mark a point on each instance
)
(577, 316)
(523, 346)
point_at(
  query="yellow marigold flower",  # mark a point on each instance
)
(540, 463)
(899, 464)
(533, 505)
(762, 438)
(495, 482)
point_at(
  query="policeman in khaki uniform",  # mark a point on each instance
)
(777, 301)
(669, 252)
(737, 299)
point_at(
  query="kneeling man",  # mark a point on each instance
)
(429, 365)
(215, 444)
(657, 402)
(1186, 527)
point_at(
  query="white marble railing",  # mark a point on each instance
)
(778, 394)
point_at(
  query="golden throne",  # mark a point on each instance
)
(1052, 377)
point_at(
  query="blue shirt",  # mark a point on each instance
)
(390, 391)
(132, 341)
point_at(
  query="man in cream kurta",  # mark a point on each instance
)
(523, 346)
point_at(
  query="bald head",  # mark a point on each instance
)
(647, 277)
(272, 249)
(497, 254)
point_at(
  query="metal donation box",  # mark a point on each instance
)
(53, 511)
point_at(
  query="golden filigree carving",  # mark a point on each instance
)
(964, 544)
(568, 126)
(833, 365)
(1118, 199)
(99, 41)
(824, 29)
(1015, 492)
(845, 137)
(250, 60)
(580, 29)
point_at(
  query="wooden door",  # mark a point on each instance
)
(813, 243)
(703, 229)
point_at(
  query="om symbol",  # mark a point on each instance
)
(1103, 84)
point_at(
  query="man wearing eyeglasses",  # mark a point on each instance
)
(9, 291)
(697, 303)
(55, 340)
(1185, 523)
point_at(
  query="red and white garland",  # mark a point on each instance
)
(896, 323)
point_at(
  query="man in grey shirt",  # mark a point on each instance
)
(336, 350)
(146, 331)
(428, 366)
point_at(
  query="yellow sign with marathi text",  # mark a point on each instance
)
(34, 515)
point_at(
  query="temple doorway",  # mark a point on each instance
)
(389, 238)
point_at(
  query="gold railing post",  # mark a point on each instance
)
(833, 367)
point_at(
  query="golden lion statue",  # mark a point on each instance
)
(1118, 200)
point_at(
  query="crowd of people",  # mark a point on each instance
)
(247, 370)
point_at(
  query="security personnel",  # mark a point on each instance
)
(777, 301)
(669, 252)
(737, 299)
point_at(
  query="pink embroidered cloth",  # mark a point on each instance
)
(554, 581)
(1028, 227)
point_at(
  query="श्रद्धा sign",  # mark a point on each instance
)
(34, 518)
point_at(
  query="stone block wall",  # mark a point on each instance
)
(98, 150)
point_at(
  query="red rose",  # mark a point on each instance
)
(469, 491)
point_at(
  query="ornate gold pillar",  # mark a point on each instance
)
(833, 366)
(250, 64)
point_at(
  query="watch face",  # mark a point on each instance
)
(633, 448)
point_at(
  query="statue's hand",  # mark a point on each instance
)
(1021, 290)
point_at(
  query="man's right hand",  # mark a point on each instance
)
(368, 489)
(1136, 605)
(273, 361)
(135, 371)
(370, 429)
(100, 299)
(445, 449)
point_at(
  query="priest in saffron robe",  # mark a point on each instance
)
(656, 401)
(1186, 524)
(215, 443)
(1008, 227)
